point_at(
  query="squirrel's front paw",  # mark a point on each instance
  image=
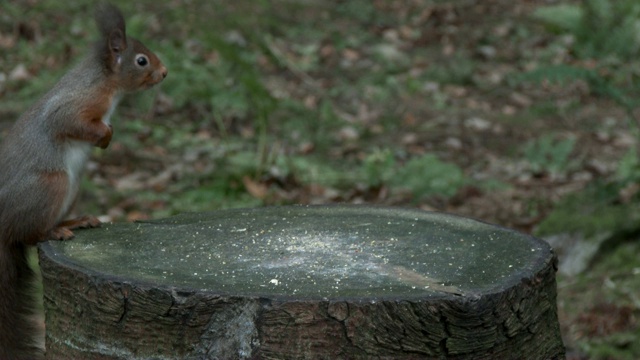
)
(104, 141)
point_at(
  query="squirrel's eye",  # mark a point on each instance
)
(142, 60)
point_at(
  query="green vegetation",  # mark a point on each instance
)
(595, 210)
(603, 303)
(548, 154)
(602, 28)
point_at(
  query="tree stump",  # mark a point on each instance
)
(301, 282)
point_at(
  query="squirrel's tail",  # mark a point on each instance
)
(20, 335)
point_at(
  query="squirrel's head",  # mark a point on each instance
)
(126, 60)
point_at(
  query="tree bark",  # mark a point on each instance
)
(301, 282)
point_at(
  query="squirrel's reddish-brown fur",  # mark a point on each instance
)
(42, 159)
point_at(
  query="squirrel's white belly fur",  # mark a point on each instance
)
(75, 159)
(106, 119)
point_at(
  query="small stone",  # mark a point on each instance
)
(19, 73)
(476, 123)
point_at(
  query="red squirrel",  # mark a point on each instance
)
(42, 159)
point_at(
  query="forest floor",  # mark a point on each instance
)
(486, 109)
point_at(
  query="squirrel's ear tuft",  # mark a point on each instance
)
(114, 37)
(111, 24)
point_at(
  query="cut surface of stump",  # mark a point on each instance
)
(301, 282)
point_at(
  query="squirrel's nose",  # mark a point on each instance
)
(164, 72)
